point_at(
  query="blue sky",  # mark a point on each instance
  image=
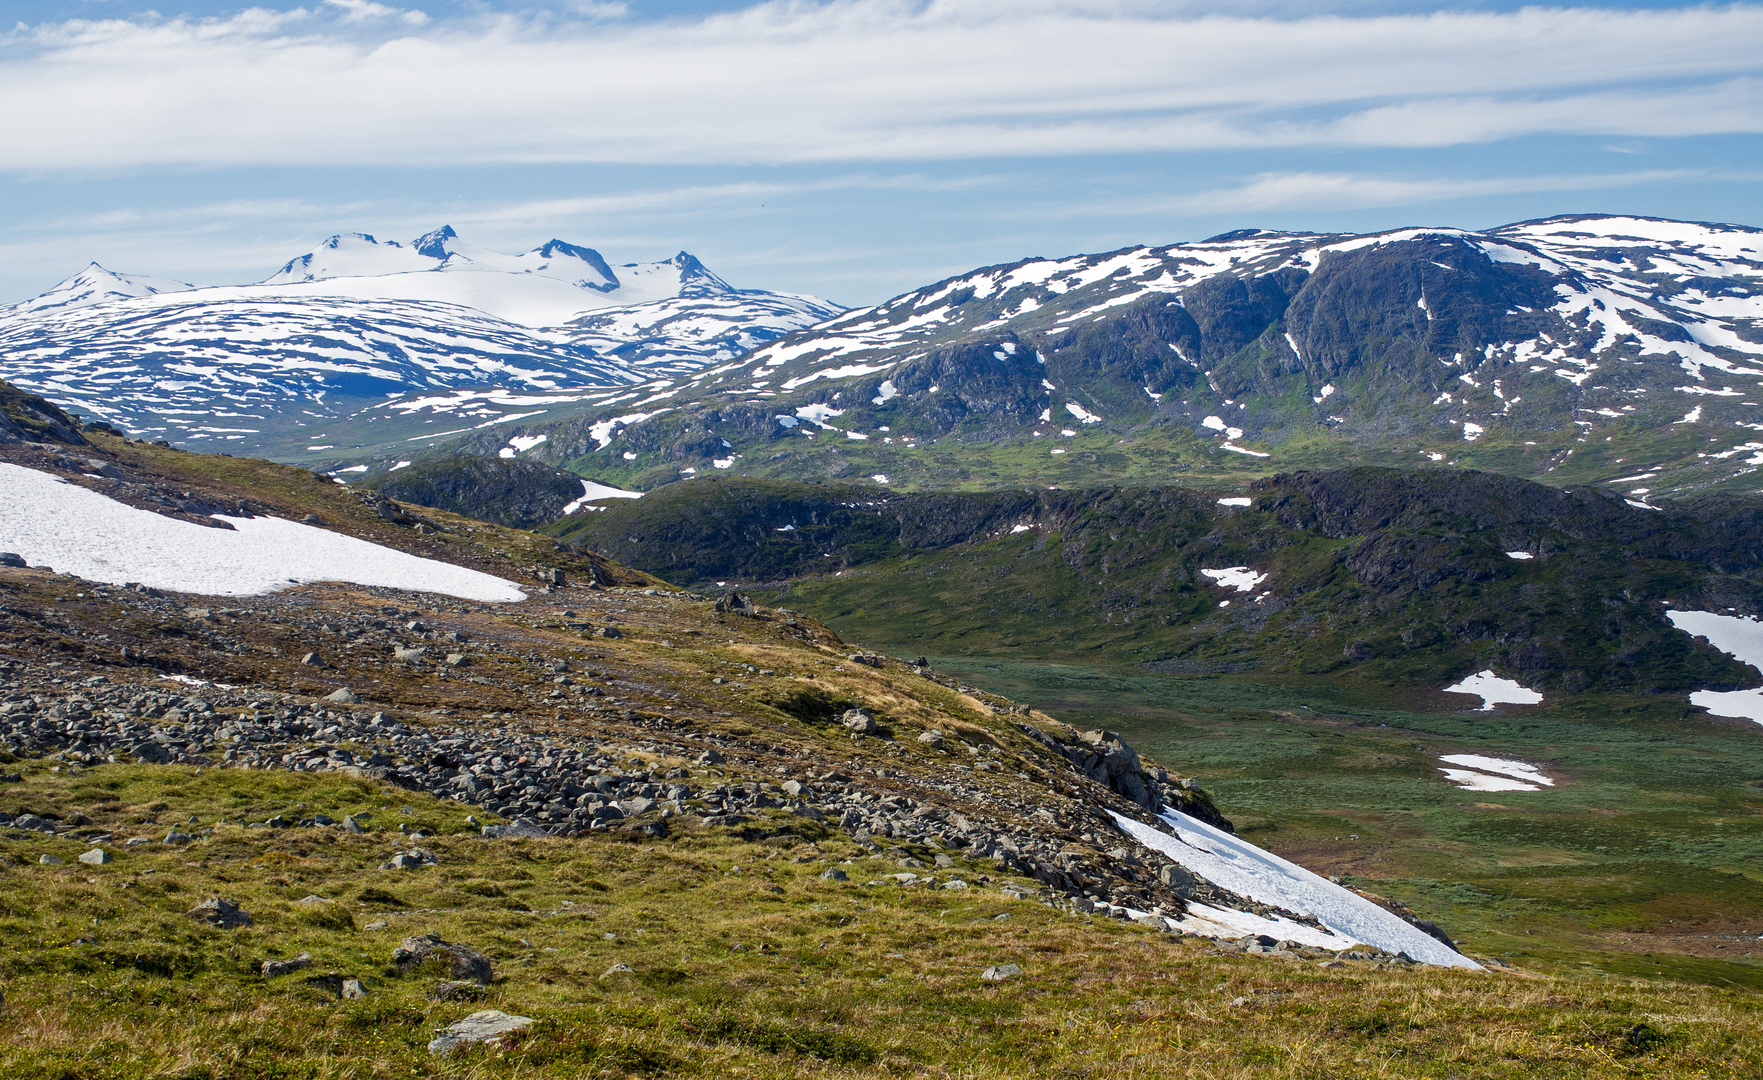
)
(853, 149)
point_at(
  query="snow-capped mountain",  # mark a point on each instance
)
(1634, 343)
(312, 355)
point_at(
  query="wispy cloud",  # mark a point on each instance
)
(1315, 191)
(357, 82)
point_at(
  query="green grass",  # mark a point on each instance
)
(744, 964)
(1647, 852)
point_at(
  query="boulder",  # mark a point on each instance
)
(13, 559)
(219, 912)
(341, 696)
(1000, 972)
(1179, 881)
(464, 961)
(733, 603)
(97, 857)
(275, 968)
(859, 722)
(489, 1026)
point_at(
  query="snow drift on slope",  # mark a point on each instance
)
(1235, 864)
(80, 532)
(1741, 639)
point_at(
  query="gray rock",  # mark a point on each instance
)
(219, 912)
(399, 652)
(352, 988)
(835, 874)
(311, 659)
(859, 722)
(953, 883)
(12, 558)
(1001, 972)
(33, 823)
(342, 696)
(489, 1026)
(97, 857)
(352, 825)
(609, 632)
(794, 788)
(932, 739)
(276, 968)
(175, 837)
(733, 603)
(517, 829)
(50, 860)
(465, 961)
(868, 659)
(634, 807)
(618, 969)
(456, 990)
(710, 757)
(414, 859)
(1179, 881)
(457, 659)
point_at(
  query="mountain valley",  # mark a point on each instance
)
(1259, 656)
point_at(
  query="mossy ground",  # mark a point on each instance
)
(764, 971)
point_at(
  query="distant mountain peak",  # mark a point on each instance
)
(434, 244)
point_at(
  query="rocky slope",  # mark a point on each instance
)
(600, 661)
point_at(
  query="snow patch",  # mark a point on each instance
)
(594, 492)
(1520, 770)
(1241, 501)
(1494, 690)
(1239, 866)
(1240, 578)
(1084, 416)
(1741, 639)
(1521, 556)
(88, 535)
(1474, 781)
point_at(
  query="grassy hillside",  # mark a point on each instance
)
(742, 963)
(1378, 576)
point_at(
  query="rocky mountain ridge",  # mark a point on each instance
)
(367, 343)
(1588, 348)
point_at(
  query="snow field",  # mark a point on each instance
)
(92, 536)
(1235, 864)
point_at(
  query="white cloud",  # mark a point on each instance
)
(1348, 191)
(853, 80)
(361, 11)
